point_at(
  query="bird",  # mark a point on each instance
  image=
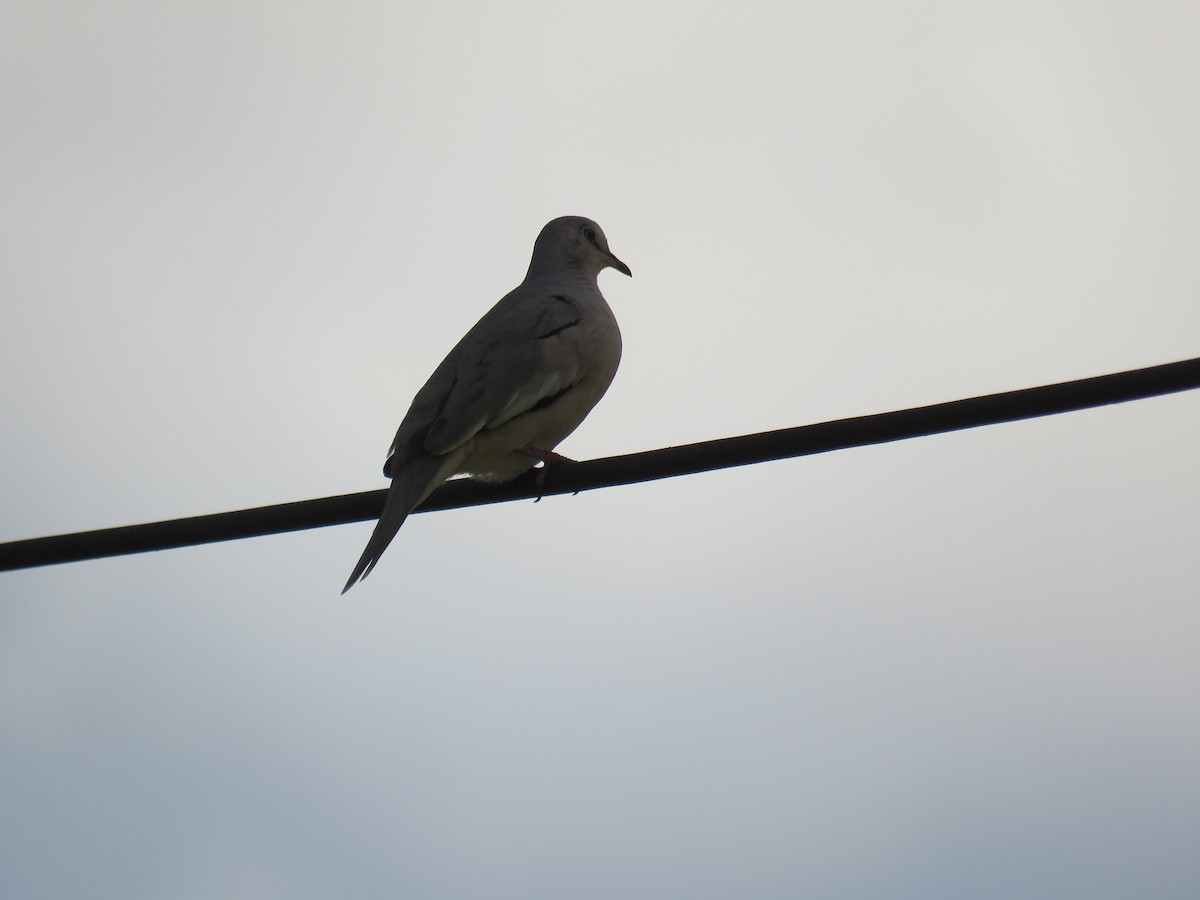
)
(521, 380)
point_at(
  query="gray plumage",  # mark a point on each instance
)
(516, 385)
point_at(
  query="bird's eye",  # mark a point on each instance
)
(590, 235)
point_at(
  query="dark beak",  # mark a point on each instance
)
(618, 265)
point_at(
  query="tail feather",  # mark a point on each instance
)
(415, 481)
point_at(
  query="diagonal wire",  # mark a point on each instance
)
(633, 468)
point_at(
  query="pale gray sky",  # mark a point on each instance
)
(239, 236)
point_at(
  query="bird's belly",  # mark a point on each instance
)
(495, 456)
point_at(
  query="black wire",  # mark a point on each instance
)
(615, 470)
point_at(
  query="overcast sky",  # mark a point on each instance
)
(237, 238)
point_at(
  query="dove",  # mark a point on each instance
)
(521, 380)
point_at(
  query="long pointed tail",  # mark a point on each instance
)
(414, 482)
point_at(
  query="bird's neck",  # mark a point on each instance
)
(568, 273)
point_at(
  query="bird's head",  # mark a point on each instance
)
(577, 243)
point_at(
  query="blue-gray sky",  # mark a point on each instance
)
(238, 237)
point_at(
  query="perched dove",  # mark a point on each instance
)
(518, 383)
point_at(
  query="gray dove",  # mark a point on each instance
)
(516, 385)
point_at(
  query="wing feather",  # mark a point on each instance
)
(518, 355)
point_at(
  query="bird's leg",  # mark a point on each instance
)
(547, 458)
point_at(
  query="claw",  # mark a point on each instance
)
(547, 458)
